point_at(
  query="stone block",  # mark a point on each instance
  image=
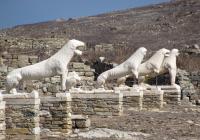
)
(87, 68)
(14, 56)
(80, 121)
(7, 56)
(89, 74)
(23, 58)
(85, 78)
(14, 63)
(55, 80)
(3, 69)
(33, 59)
(53, 88)
(77, 65)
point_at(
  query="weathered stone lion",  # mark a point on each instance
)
(169, 65)
(55, 65)
(154, 63)
(164, 64)
(130, 66)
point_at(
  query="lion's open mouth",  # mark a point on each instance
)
(78, 52)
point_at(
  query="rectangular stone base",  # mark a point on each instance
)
(22, 113)
(97, 102)
(152, 99)
(172, 94)
(132, 98)
(55, 113)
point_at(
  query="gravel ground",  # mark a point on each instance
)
(173, 122)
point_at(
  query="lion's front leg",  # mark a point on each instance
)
(135, 73)
(64, 79)
(172, 73)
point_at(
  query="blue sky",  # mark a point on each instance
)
(17, 12)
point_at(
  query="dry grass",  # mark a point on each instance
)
(117, 55)
(188, 62)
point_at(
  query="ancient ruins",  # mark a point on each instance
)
(33, 115)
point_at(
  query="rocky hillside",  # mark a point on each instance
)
(167, 25)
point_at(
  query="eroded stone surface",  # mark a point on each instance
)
(111, 133)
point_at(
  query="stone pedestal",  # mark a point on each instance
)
(22, 115)
(152, 99)
(172, 94)
(97, 102)
(132, 97)
(2, 118)
(55, 113)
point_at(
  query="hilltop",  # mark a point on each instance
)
(167, 25)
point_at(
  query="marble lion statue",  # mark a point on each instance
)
(55, 65)
(130, 66)
(154, 63)
(72, 79)
(168, 64)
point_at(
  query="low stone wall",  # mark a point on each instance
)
(172, 94)
(97, 102)
(22, 115)
(2, 118)
(55, 113)
(152, 99)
